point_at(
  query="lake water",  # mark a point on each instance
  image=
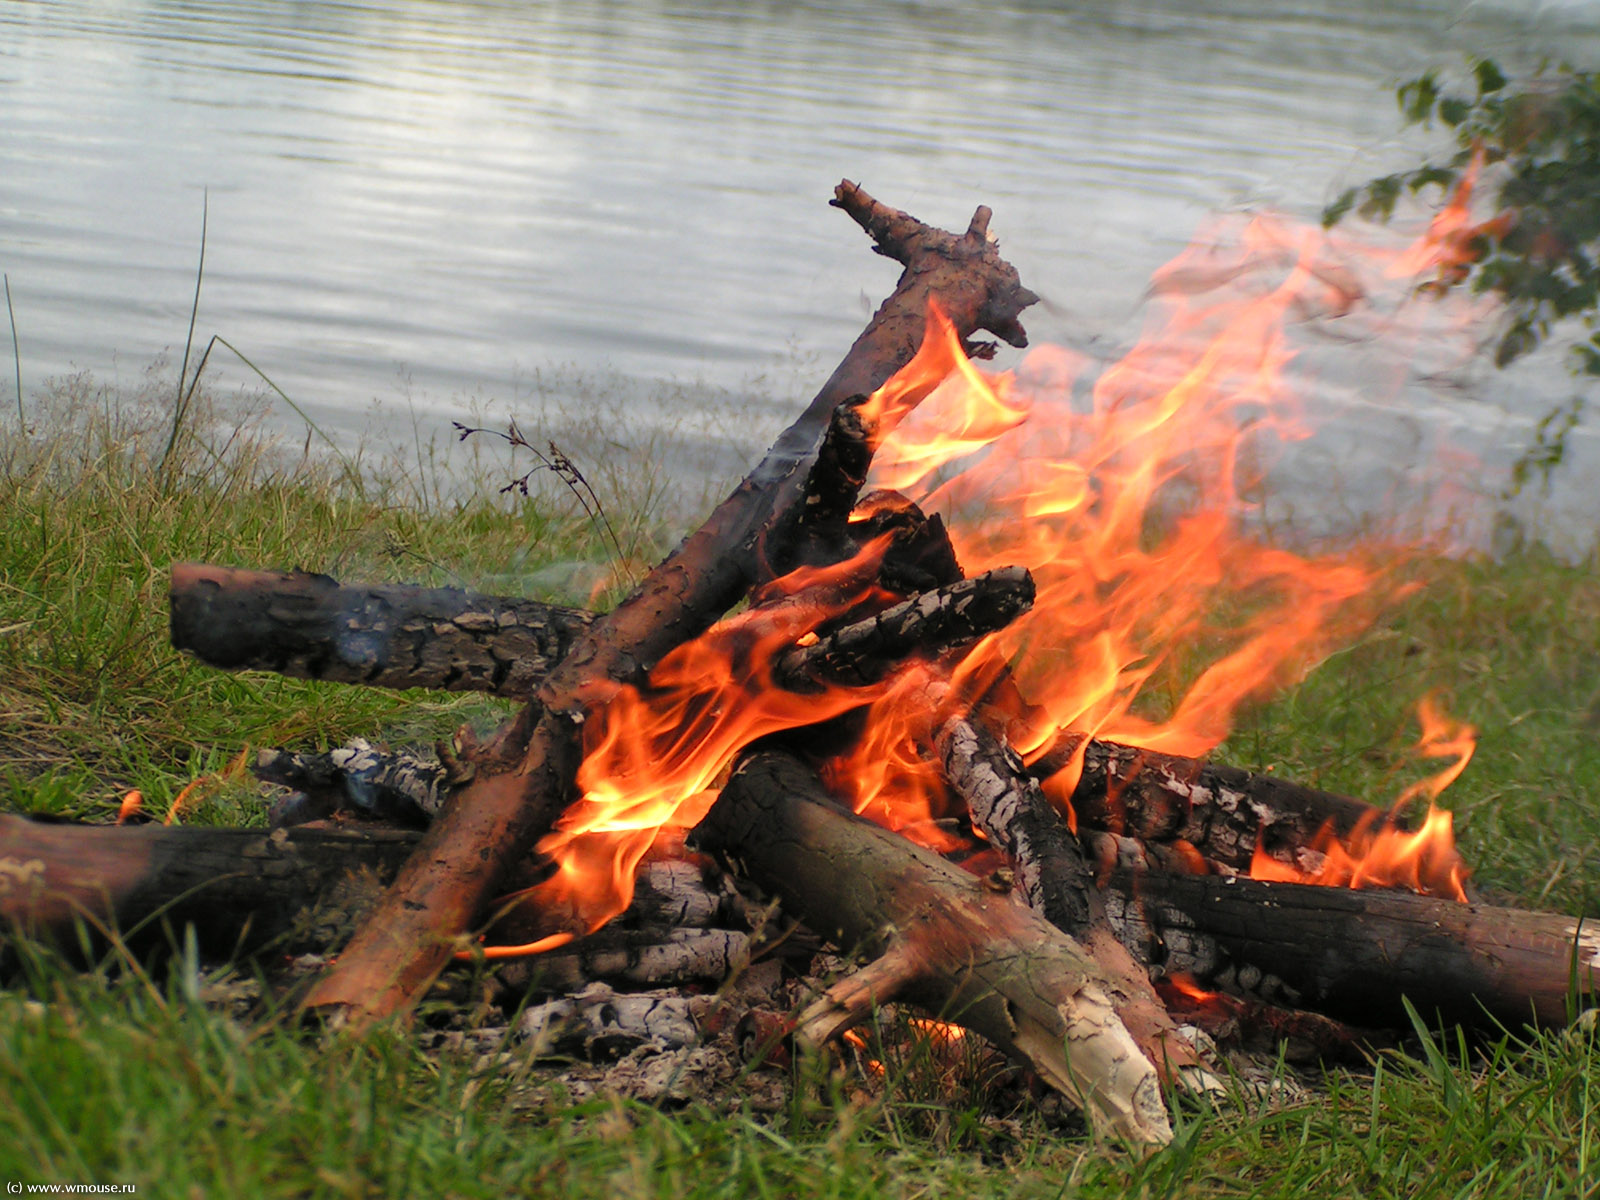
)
(438, 206)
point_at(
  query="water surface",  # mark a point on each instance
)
(429, 204)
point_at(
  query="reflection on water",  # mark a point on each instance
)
(431, 200)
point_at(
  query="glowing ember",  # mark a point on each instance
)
(1126, 496)
(1376, 853)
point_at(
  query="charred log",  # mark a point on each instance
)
(1055, 877)
(394, 786)
(241, 889)
(1358, 954)
(1219, 810)
(924, 626)
(381, 635)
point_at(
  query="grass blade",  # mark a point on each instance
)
(179, 403)
(16, 357)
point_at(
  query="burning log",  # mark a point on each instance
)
(1055, 878)
(940, 938)
(1222, 811)
(310, 627)
(527, 779)
(1356, 953)
(926, 625)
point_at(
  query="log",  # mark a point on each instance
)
(394, 786)
(924, 626)
(751, 535)
(937, 937)
(1358, 954)
(1056, 879)
(382, 635)
(1220, 810)
(241, 889)
(302, 890)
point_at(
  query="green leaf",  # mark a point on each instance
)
(1416, 98)
(1453, 110)
(1490, 78)
(1445, 177)
(1335, 212)
(1518, 340)
(1381, 195)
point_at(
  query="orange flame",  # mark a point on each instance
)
(1376, 853)
(1127, 494)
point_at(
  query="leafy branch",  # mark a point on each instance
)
(1540, 255)
(1542, 258)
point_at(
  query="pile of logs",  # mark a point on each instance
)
(1077, 952)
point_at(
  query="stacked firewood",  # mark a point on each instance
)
(1069, 948)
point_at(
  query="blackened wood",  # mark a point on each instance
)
(241, 889)
(750, 536)
(1218, 809)
(396, 786)
(1054, 876)
(834, 484)
(382, 635)
(920, 556)
(939, 937)
(598, 1021)
(924, 626)
(1355, 954)
(632, 956)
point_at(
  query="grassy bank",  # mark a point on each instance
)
(124, 1079)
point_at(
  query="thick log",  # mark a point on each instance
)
(751, 535)
(1055, 877)
(1219, 810)
(1357, 954)
(382, 635)
(241, 889)
(937, 936)
(302, 889)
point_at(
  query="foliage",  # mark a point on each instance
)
(1544, 259)
(1540, 144)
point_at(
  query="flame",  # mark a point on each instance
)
(653, 757)
(1377, 853)
(1128, 491)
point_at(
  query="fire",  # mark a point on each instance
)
(1379, 854)
(1127, 492)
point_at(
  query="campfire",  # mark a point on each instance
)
(931, 733)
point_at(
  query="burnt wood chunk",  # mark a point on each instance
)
(382, 635)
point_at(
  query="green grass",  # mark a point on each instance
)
(112, 1077)
(93, 701)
